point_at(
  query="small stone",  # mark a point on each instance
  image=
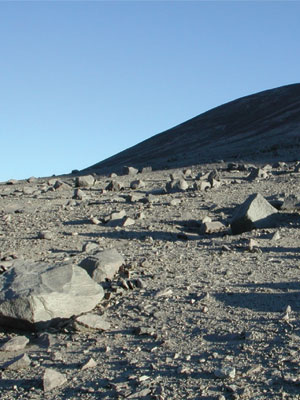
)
(79, 194)
(129, 170)
(95, 221)
(89, 247)
(138, 184)
(212, 227)
(91, 322)
(225, 372)
(164, 293)
(91, 363)
(127, 221)
(52, 379)
(15, 344)
(201, 186)
(47, 235)
(276, 236)
(114, 186)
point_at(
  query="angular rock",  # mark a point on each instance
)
(103, 265)
(212, 227)
(255, 213)
(257, 173)
(91, 322)
(114, 186)
(129, 170)
(127, 221)
(91, 363)
(138, 184)
(15, 344)
(79, 194)
(89, 247)
(36, 295)
(84, 181)
(201, 185)
(179, 185)
(20, 362)
(53, 379)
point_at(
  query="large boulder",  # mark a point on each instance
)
(34, 295)
(103, 265)
(255, 213)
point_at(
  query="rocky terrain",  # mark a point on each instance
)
(177, 283)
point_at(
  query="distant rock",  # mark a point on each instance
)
(35, 295)
(103, 265)
(114, 186)
(79, 194)
(129, 170)
(84, 181)
(255, 213)
(257, 173)
(179, 185)
(138, 184)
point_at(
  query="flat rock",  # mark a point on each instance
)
(103, 265)
(15, 344)
(255, 213)
(53, 379)
(91, 322)
(35, 295)
(19, 362)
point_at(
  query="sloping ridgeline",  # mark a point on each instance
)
(254, 127)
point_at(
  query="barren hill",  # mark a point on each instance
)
(260, 124)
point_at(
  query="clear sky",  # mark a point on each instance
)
(82, 80)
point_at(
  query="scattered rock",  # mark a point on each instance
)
(89, 247)
(79, 194)
(103, 265)
(53, 379)
(257, 173)
(129, 170)
(91, 322)
(138, 184)
(255, 213)
(34, 295)
(114, 186)
(201, 185)
(91, 363)
(47, 235)
(17, 343)
(84, 181)
(212, 227)
(127, 221)
(225, 373)
(19, 362)
(179, 185)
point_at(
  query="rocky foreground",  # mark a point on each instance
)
(151, 286)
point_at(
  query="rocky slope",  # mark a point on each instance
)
(194, 311)
(261, 124)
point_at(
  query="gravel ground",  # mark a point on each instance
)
(211, 317)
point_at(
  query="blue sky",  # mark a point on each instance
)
(81, 81)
